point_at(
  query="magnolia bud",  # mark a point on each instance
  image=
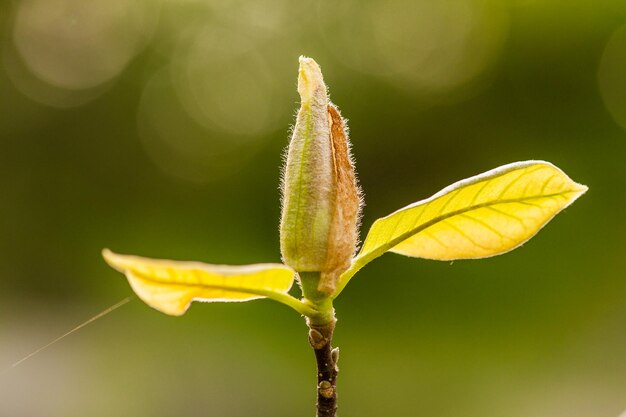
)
(321, 198)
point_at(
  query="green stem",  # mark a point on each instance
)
(319, 302)
(298, 305)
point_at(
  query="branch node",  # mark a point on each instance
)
(334, 354)
(326, 389)
(317, 339)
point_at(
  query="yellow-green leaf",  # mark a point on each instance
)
(478, 217)
(170, 286)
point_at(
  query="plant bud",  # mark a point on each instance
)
(321, 198)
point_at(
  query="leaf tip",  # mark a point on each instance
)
(116, 261)
(109, 257)
(578, 190)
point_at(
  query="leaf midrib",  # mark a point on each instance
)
(260, 292)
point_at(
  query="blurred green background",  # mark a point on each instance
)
(156, 127)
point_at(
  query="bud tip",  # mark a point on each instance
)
(309, 78)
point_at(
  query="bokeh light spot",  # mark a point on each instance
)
(180, 147)
(40, 91)
(433, 47)
(225, 84)
(80, 44)
(612, 76)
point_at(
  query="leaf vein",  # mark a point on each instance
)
(545, 184)
(435, 238)
(485, 225)
(462, 233)
(486, 183)
(504, 213)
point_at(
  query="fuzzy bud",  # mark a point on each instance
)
(321, 198)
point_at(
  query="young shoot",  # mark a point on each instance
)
(482, 216)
